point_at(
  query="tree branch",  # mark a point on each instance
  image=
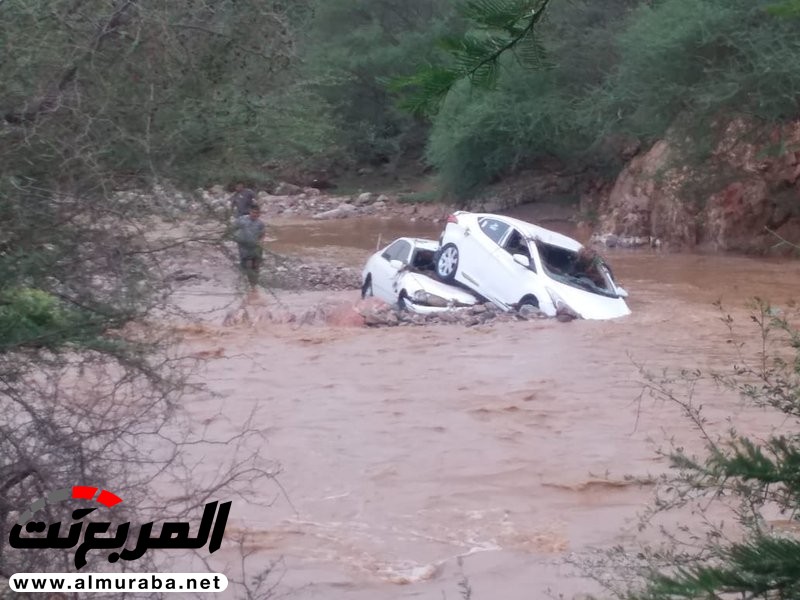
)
(50, 101)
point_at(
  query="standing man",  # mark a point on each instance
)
(249, 233)
(242, 200)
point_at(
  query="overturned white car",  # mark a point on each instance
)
(513, 263)
(397, 275)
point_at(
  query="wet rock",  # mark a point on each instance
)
(448, 317)
(376, 312)
(344, 315)
(494, 205)
(340, 212)
(528, 312)
(287, 189)
(239, 316)
(365, 198)
(181, 275)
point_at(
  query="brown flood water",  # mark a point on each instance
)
(509, 446)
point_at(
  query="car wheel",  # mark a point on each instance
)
(447, 263)
(366, 288)
(528, 301)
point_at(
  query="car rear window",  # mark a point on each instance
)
(398, 251)
(494, 229)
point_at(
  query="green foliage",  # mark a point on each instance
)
(701, 60)
(33, 318)
(764, 567)
(790, 8)
(98, 96)
(426, 197)
(480, 134)
(499, 27)
(620, 70)
(351, 49)
(28, 314)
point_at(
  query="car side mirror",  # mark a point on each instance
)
(622, 292)
(523, 260)
(396, 264)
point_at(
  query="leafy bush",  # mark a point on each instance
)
(352, 48)
(622, 69)
(479, 135)
(531, 113)
(702, 59)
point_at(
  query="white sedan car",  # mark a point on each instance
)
(513, 263)
(396, 274)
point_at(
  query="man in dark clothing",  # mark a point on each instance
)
(249, 233)
(242, 200)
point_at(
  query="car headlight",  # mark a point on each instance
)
(562, 308)
(423, 297)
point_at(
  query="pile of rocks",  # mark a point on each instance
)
(385, 316)
(372, 312)
(287, 200)
(303, 276)
(196, 263)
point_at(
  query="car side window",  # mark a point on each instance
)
(516, 244)
(494, 229)
(398, 251)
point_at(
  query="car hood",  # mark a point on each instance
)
(413, 282)
(587, 304)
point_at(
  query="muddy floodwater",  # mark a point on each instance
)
(507, 448)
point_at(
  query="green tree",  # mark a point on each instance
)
(100, 97)
(528, 109)
(351, 48)
(626, 69)
(496, 28)
(699, 61)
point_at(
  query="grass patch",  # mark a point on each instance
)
(422, 197)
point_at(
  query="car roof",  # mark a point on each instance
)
(534, 231)
(418, 243)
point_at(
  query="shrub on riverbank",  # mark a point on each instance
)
(754, 480)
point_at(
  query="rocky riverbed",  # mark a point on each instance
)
(286, 201)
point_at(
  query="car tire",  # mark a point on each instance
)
(528, 301)
(366, 288)
(447, 263)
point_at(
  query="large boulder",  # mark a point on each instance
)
(342, 211)
(646, 202)
(287, 189)
(747, 188)
(344, 315)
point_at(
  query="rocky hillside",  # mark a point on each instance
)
(744, 196)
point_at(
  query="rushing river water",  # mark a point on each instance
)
(510, 446)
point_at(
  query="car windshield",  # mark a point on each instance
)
(577, 269)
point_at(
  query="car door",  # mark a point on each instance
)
(509, 280)
(477, 261)
(384, 280)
